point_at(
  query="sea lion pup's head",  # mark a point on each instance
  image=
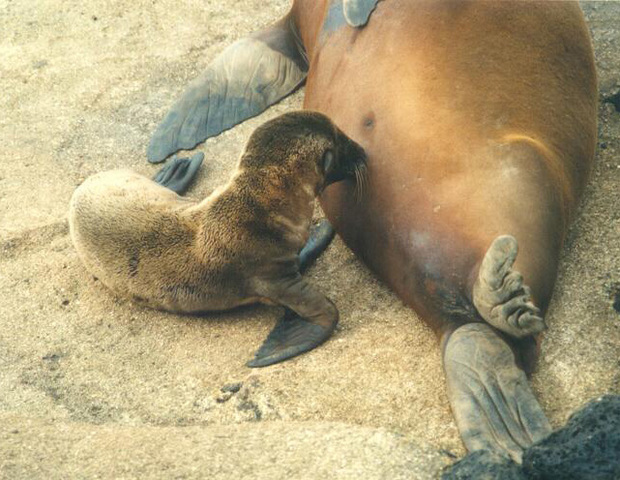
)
(307, 144)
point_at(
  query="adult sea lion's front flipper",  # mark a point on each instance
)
(247, 77)
(357, 12)
(309, 320)
(492, 402)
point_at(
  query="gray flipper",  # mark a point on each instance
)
(357, 12)
(321, 236)
(500, 295)
(291, 336)
(294, 335)
(310, 318)
(492, 402)
(179, 173)
(246, 78)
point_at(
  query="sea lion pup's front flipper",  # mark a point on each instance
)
(492, 402)
(321, 235)
(357, 12)
(310, 319)
(179, 173)
(247, 77)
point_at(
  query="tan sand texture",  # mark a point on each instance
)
(96, 387)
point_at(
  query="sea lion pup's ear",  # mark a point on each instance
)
(357, 12)
(247, 77)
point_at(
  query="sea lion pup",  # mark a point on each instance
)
(240, 245)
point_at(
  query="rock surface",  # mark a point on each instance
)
(94, 384)
(306, 450)
(483, 465)
(587, 448)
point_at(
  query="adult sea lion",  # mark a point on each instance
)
(240, 245)
(479, 120)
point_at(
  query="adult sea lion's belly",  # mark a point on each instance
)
(479, 119)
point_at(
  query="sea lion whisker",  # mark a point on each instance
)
(358, 184)
(360, 181)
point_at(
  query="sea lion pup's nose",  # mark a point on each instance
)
(362, 158)
(356, 154)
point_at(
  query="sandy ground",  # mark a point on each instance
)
(95, 387)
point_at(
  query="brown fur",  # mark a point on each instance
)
(237, 246)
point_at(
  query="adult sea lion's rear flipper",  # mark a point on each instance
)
(179, 173)
(309, 320)
(247, 77)
(492, 402)
(501, 297)
(357, 12)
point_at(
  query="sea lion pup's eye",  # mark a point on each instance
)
(329, 161)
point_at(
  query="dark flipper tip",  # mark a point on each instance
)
(179, 173)
(321, 236)
(155, 154)
(162, 145)
(291, 336)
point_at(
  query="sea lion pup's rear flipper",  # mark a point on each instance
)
(247, 77)
(310, 319)
(492, 402)
(179, 173)
(357, 12)
(293, 335)
(321, 236)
